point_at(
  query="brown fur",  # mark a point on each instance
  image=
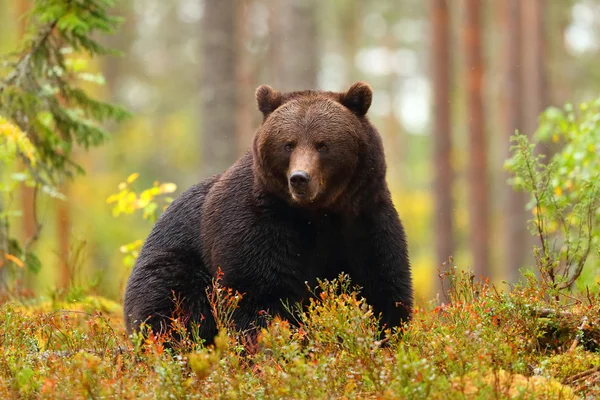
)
(272, 235)
(310, 119)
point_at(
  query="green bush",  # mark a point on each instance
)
(564, 190)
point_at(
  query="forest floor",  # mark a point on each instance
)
(486, 344)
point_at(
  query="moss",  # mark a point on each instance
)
(565, 365)
(507, 385)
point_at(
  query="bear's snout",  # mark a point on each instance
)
(303, 187)
(299, 180)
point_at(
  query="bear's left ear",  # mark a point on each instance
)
(268, 99)
(358, 98)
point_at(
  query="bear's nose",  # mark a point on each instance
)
(299, 179)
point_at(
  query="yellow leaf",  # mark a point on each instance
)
(168, 187)
(141, 203)
(146, 195)
(14, 259)
(555, 138)
(558, 191)
(131, 178)
(112, 198)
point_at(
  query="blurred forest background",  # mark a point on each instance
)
(452, 81)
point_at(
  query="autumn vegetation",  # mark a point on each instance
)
(534, 337)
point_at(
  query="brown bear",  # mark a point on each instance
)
(309, 201)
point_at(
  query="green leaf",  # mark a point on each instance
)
(32, 262)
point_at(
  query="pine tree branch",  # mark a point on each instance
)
(21, 66)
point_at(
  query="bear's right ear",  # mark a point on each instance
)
(268, 99)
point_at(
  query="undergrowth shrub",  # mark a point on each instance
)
(482, 344)
(564, 189)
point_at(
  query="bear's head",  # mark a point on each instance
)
(316, 149)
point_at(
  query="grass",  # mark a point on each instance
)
(484, 344)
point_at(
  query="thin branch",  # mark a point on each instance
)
(572, 379)
(539, 224)
(582, 260)
(22, 65)
(38, 226)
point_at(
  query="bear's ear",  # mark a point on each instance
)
(358, 98)
(268, 100)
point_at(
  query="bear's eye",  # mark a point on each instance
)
(322, 147)
(289, 147)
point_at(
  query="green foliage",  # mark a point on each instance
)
(13, 255)
(45, 111)
(564, 190)
(41, 92)
(127, 202)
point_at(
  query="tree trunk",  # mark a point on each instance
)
(275, 44)
(219, 86)
(245, 104)
(29, 225)
(478, 195)
(442, 140)
(515, 225)
(561, 64)
(534, 71)
(63, 233)
(535, 83)
(295, 34)
(351, 29)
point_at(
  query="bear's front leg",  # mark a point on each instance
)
(380, 265)
(267, 268)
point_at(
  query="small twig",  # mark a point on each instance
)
(581, 327)
(38, 226)
(546, 312)
(576, 301)
(583, 258)
(577, 377)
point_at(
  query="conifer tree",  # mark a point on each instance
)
(44, 110)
